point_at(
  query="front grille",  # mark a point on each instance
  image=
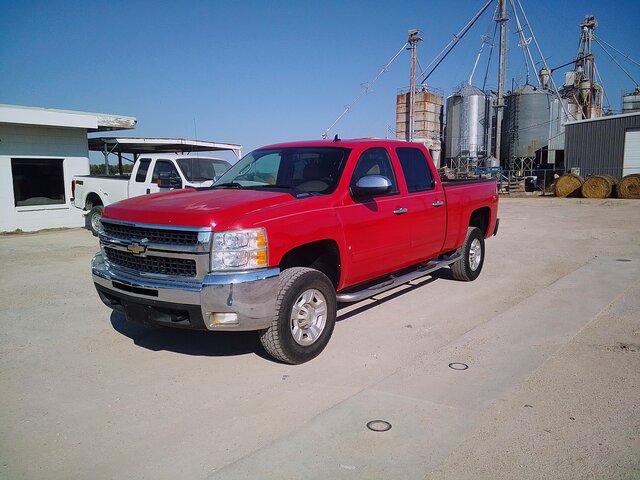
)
(150, 264)
(153, 235)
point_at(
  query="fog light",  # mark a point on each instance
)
(222, 319)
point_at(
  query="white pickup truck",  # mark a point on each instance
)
(150, 174)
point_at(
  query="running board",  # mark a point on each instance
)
(394, 281)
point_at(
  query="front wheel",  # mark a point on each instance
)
(93, 219)
(304, 319)
(470, 264)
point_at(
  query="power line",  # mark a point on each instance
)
(616, 62)
(627, 57)
(365, 90)
(456, 38)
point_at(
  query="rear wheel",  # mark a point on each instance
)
(305, 316)
(469, 266)
(93, 219)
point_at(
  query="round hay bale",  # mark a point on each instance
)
(568, 185)
(599, 186)
(629, 186)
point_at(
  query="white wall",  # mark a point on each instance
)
(21, 141)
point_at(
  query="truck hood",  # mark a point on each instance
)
(219, 209)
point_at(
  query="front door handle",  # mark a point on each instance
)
(438, 203)
(400, 211)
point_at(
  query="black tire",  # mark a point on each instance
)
(279, 339)
(468, 268)
(92, 219)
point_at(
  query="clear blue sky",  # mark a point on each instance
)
(255, 72)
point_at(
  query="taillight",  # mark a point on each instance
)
(73, 186)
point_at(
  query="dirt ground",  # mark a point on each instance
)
(550, 333)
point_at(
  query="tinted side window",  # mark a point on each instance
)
(143, 168)
(163, 166)
(375, 161)
(416, 169)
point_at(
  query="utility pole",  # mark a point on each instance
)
(501, 74)
(414, 38)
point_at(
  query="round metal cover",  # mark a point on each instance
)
(379, 426)
(458, 366)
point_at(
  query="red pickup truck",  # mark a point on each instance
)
(287, 233)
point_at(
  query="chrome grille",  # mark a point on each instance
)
(151, 264)
(153, 235)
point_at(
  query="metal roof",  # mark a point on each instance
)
(607, 117)
(51, 117)
(158, 145)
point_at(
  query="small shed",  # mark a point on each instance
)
(41, 149)
(606, 145)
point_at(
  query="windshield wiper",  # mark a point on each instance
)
(275, 185)
(295, 191)
(227, 185)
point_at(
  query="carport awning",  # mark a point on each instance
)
(158, 145)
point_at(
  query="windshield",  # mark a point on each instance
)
(308, 169)
(200, 169)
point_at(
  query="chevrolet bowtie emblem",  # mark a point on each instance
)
(136, 248)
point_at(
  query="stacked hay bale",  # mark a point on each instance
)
(568, 185)
(599, 186)
(629, 186)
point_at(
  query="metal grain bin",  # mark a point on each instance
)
(467, 124)
(631, 102)
(525, 127)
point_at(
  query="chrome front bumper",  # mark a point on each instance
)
(190, 303)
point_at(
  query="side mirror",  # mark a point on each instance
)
(169, 180)
(370, 186)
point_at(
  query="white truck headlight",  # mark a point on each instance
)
(239, 250)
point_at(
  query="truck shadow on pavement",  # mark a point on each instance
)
(189, 342)
(223, 344)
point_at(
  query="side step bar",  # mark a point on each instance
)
(394, 281)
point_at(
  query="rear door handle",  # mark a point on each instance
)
(400, 211)
(438, 203)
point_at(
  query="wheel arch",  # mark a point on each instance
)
(93, 200)
(322, 255)
(481, 218)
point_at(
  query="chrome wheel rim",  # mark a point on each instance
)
(308, 317)
(95, 221)
(475, 254)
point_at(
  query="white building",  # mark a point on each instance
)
(41, 150)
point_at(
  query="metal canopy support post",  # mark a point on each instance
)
(119, 162)
(106, 159)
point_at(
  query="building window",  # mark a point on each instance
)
(37, 181)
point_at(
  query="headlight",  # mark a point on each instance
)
(239, 250)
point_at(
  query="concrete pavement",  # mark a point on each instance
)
(84, 394)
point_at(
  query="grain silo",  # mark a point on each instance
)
(561, 111)
(427, 119)
(525, 127)
(631, 101)
(468, 122)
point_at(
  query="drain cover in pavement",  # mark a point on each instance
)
(458, 366)
(379, 425)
